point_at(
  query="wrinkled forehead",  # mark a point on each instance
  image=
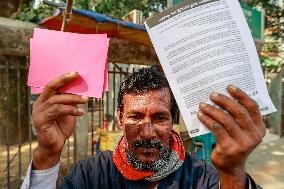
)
(159, 99)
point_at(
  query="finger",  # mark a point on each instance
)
(53, 112)
(54, 85)
(220, 133)
(240, 114)
(222, 117)
(251, 105)
(66, 99)
(61, 110)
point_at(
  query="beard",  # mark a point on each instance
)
(162, 159)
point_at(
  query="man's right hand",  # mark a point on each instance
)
(54, 117)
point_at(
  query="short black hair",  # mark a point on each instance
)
(141, 81)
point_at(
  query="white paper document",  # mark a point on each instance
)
(204, 46)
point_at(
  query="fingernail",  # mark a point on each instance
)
(233, 88)
(200, 114)
(81, 111)
(85, 98)
(203, 105)
(215, 95)
(217, 126)
(71, 74)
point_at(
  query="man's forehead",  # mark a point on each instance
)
(162, 94)
(151, 97)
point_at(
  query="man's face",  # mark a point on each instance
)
(147, 123)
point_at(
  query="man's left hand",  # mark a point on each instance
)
(238, 130)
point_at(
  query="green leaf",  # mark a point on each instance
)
(108, 5)
(30, 16)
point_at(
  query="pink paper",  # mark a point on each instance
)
(56, 53)
(38, 90)
(45, 33)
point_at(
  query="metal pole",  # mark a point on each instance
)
(81, 134)
(92, 124)
(19, 117)
(113, 99)
(30, 125)
(7, 121)
(101, 108)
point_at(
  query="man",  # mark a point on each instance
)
(149, 153)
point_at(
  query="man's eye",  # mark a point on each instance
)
(161, 118)
(134, 117)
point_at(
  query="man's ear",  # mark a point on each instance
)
(119, 118)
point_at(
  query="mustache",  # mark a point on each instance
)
(147, 144)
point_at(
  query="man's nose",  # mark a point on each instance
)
(148, 131)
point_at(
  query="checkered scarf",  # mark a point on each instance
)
(175, 160)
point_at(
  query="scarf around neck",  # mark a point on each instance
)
(174, 161)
